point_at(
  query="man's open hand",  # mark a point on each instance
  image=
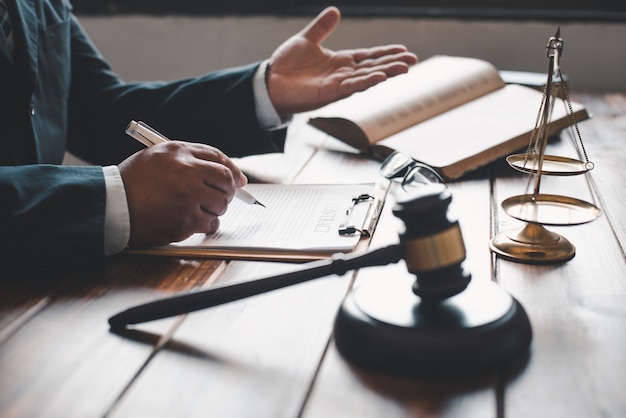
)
(303, 75)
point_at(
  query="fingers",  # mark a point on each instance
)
(366, 68)
(214, 177)
(376, 70)
(322, 26)
(382, 55)
(378, 51)
(353, 85)
(391, 69)
(211, 154)
(176, 189)
(364, 78)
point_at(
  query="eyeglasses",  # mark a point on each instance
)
(413, 173)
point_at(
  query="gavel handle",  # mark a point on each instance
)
(338, 264)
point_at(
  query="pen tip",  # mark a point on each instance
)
(256, 202)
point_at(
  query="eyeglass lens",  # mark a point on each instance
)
(395, 164)
(398, 164)
(422, 175)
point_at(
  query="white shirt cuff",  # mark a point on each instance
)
(266, 114)
(116, 216)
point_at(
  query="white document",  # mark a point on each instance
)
(299, 222)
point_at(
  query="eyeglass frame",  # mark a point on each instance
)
(407, 170)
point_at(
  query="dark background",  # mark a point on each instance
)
(598, 10)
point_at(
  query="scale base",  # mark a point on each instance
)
(385, 327)
(533, 244)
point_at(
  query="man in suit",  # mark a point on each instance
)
(58, 93)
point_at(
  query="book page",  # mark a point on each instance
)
(429, 88)
(478, 132)
(296, 218)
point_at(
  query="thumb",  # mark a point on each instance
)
(322, 26)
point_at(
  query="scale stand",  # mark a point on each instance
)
(533, 243)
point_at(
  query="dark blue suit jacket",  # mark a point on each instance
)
(58, 93)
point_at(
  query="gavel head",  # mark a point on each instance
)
(431, 242)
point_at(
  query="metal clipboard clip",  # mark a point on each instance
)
(369, 220)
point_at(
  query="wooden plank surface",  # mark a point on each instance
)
(605, 139)
(256, 355)
(342, 390)
(264, 350)
(273, 355)
(64, 361)
(576, 308)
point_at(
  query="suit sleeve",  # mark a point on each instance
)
(217, 109)
(52, 216)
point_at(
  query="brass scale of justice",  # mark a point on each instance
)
(533, 243)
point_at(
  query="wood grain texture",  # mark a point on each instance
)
(273, 355)
(265, 349)
(257, 354)
(341, 390)
(576, 308)
(64, 361)
(605, 139)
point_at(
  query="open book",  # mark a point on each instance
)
(452, 113)
(300, 222)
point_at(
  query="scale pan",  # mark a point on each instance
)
(549, 209)
(552, 165)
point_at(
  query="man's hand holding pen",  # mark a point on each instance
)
(175, 189)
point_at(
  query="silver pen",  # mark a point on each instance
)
(149, 137)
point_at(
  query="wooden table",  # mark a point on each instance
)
(273, 355)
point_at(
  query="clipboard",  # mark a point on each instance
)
(301, 222)
(367, 219)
